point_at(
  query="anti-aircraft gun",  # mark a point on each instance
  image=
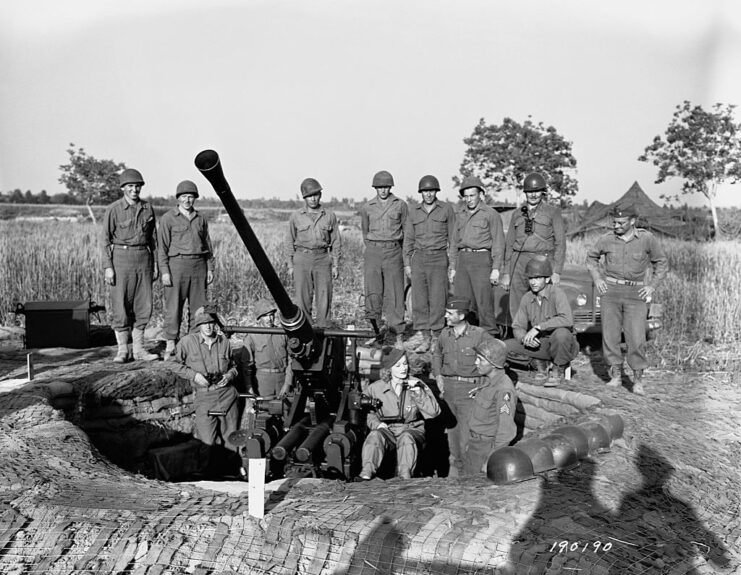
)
(320, 429)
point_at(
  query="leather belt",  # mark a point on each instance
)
(472, 379)
(127, 247)
(311, 250)
(623, 282)
(475, 435)
(191, 256)
(473, 250)
(384, 242)
(271, 370)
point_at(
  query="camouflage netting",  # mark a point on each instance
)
(663, 500)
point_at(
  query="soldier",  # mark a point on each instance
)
(626, 288)
(492, 421)
(477, 259)
(429, 233)
(536, 230)
(543, 327)
(204, 357)
(186, 260)
(398, 423)
(454, 368)
(266, 366)
(314, 237)
(382, 223)
(129, 245)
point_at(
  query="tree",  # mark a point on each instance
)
(90, 179)
(502, 155)
(703, 148)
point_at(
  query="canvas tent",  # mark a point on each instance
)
(651, 216)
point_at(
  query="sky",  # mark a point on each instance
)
(339, 89)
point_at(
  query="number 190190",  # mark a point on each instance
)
(582, 547)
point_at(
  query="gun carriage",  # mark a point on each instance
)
(320, 428)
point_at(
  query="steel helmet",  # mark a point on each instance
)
(534, 182)
(539, 453)
(577, 437)
(598, 437)
(186, 187)
(130, 176)
(264, 307)
(508, 465)
(493, 350)
(562, 450)
(538, 268)
(309, 187)
(383, 179)
(471, 182)
(613, 423)
(428, 183)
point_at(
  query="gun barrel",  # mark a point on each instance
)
(315, 439)
(293, 319)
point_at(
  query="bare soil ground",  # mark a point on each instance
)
(665, 499)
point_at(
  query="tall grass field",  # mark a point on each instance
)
(60, 260)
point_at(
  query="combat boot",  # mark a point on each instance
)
(425, 345)
(616, 376)
(169, 350)
(122, 339)
(638, 382)
(541, 371)
(137, 335)
(558, 376)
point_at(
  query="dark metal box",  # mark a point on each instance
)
(57, 323)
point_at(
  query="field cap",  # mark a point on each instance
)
(264, 307)
(390, 357)
(624, 212)
(186, 187)
(462, 304)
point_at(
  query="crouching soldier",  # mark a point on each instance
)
(266, 366)
(543, 325)
(398, 423)
(492, 419)
(204, 357)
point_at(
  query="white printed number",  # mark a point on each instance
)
(594, 546)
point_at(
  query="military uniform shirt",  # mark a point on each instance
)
(414, 409)
(552, 312)
(493, 410)
(480, 229)
(194, 355)
(433, 230)
(383, 221)
(265, 351)
(549, 235)
(313, 231)
(456, 355)
(179, 235)
(126, 224)
(629, 260)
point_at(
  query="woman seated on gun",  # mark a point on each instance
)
(397, 424)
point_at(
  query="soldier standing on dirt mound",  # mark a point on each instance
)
(129, 247)
(266, 366)
(314, 247)
(186, 260)
(479, 252)
(537, 229)
(454, 368)
(382, 222)
(626, 289)
(492, 422)
(543, 326)
(429, 233)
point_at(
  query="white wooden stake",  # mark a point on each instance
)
(29, 366)
(256, 489)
